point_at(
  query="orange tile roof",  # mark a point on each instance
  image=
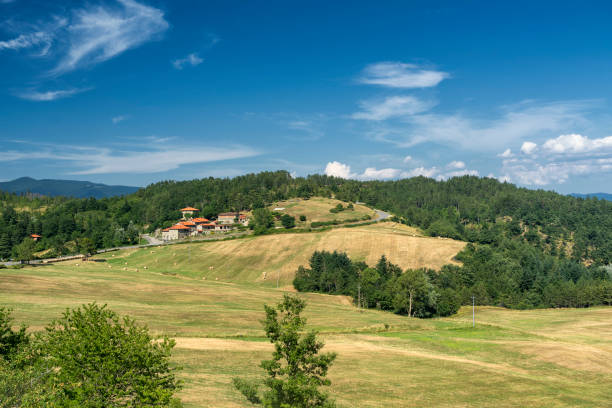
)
(179, 227)
(35, 236)
(199, 219)
(188, 223)
(189, 209)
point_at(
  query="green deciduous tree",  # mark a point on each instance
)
(288, 221)
(25, 250)
(297, 369)
(91, 357)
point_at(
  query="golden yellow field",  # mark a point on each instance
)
(317, 209)
(270, 257)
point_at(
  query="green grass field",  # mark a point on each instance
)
(541, 358)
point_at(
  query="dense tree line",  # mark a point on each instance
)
(516, 276)
(478, 210)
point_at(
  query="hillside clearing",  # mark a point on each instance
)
(265, 259)
(317, 209)
(512, 358)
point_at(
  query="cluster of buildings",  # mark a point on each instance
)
(194, 226)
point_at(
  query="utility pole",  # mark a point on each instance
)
(473, 314)
(359, 295)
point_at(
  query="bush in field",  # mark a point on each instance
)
(296, 370)
(91, 357)
(288, 221)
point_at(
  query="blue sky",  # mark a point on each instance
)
(134, 91)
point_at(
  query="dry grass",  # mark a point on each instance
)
(541, 358)
(268, 258)
(317, 209)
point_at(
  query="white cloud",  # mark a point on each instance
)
(390, 107)
(401, 75)
(407, 159)
(119, 118)
(420, 171)
(337, 169)
(574, 143)
(506, 154)
(559, 159)
(529, 147)
(92, 34)
(371, 173)
(27, 41)
(98, 33)
(33, 95)
(455, 165)
(438, 174)
(516, 123)
(147, 159)
(192, 59)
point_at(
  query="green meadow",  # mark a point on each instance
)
(538, 358)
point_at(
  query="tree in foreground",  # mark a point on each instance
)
(297, 369)
(93, 358)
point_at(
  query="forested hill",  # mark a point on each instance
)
(601, 196)
(479, 210)
(67, 188)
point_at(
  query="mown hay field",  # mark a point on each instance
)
(271, 258)
(541, 358)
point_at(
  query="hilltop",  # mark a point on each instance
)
(66, 188)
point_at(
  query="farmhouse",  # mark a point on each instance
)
(233, 218)
(228, 218)
(188, 212)
(175, 232)
(35, 237)
(193, 226)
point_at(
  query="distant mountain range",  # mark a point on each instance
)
(68, 188)
(601, 196)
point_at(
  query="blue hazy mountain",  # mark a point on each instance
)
(68, 188)
(601, 196)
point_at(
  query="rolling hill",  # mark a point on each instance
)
(601, 196)
(67, 188)
(265, 258)
(513, 358)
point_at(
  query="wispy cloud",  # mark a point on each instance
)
(92, 34)
(45, 96)
(192, 59)
(515, 123)
(307, 130)
(401, 75)
(98, 33)
(148, 159)
(119, 118)
(27, 41)
(393, 106)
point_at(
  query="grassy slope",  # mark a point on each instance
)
(246, 260)
(317, 209)
(543, 358)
